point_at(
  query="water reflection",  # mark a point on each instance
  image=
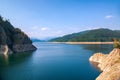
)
(13, 59)
(6, 59)
(95, 65)
(104, 48)
(1, 78)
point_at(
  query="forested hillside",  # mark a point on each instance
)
(101, 34)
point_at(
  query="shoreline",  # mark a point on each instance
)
(83, 42)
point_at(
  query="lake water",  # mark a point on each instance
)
(52, 62)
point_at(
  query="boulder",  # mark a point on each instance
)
(109, 64)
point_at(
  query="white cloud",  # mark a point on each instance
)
(109, 16)
(39, 28)
(43, 28)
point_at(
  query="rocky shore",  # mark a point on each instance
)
(13, 40)
(109, 64)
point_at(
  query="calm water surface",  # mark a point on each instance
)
(52, 62)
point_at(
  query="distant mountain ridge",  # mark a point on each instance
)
(36, 40)
(95, 35)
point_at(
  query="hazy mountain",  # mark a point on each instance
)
(37, 40)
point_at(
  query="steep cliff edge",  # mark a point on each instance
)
(12, 39)
(109, 64)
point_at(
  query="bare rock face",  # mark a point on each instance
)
(113, 73)
(109, 64)
(13, 40)
(98, 57)
(5, 50)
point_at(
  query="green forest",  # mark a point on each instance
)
(102, 35)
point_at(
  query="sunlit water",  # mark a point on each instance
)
(52, 62)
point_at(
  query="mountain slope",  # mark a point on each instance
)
(90, 36)
(13, 39)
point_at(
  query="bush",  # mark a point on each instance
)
(116, 43)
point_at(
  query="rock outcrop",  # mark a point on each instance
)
(13, 40)
(109, 64)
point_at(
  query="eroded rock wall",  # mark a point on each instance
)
(109, 64)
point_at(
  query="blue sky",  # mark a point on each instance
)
(51, 18)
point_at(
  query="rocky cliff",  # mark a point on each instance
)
(12, 39)
(109, 64)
